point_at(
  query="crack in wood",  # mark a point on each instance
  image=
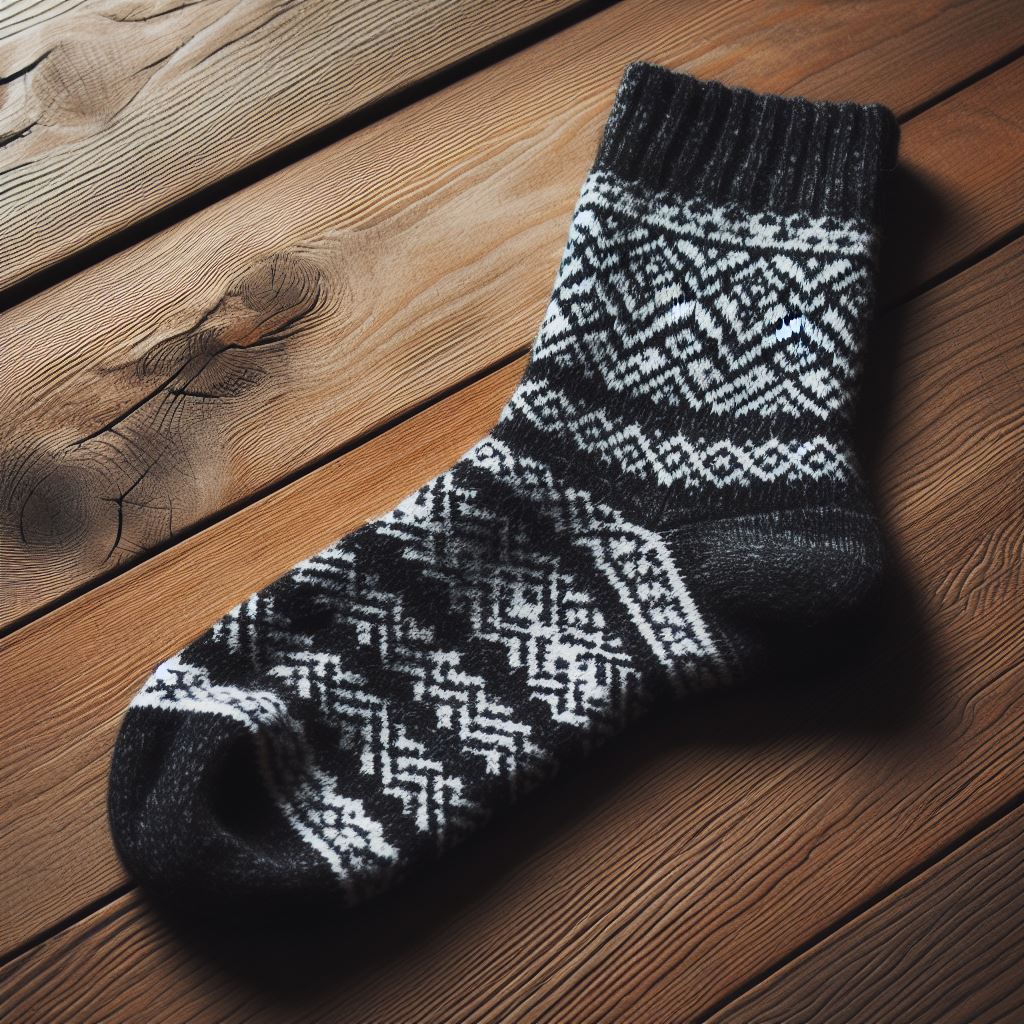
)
(27, 69)
(6, 140)
(152, 17)
(137, 458)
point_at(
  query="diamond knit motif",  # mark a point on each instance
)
(704, 306)
(646, 451)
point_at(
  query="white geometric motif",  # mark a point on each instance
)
(715, 308)
(428, 795)
(517, 597)
(634, 560)
(459, 700)
(251, 633)
(649, 453)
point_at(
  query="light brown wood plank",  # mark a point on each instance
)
(692, 856)
(116, 109)
(948, 948)
(405, 259)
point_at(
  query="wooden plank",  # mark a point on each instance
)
(941, 213)
(404, 259)
(944, 949)
(706, 849)
(115, 109)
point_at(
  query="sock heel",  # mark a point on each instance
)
(797, 567)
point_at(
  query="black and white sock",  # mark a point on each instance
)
(669, 490)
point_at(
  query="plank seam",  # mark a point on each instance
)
(869, 903)
(258, 495)
(90, 908)
(971, 833)
(959, 266)
(964, 83)
(299, 149)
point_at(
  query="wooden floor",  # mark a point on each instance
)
(266, 267)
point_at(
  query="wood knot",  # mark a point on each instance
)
(268, 299)
(71, 507)
(84, 81)
(267, 302)
(283, 284)
(58, 505)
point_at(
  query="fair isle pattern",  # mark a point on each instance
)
(517, 598)
(338, 828)
(375, 618)
(652, 454)
(427, 792)
(668, 488)
(176, 684)
(309, 680)
(709, 307)
(250, 634)
(458, 701)
(635, 561)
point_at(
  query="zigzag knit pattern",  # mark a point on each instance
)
(669, 489)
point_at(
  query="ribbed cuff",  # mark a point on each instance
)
(670, 132)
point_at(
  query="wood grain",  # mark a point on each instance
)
(686, 859)
(960, 168)
(946, 949)
(111, 110)
(170, 383)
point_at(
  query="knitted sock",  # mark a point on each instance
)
(669, 491)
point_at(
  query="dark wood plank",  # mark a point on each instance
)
(686, 859)
(111, 110)
(942, 213)
(403, 260)
(948, 948)
(944, 949)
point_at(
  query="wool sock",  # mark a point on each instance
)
(669, 492)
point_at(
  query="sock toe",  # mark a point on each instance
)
(192, 816)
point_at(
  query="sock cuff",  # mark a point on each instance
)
(671, 132)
